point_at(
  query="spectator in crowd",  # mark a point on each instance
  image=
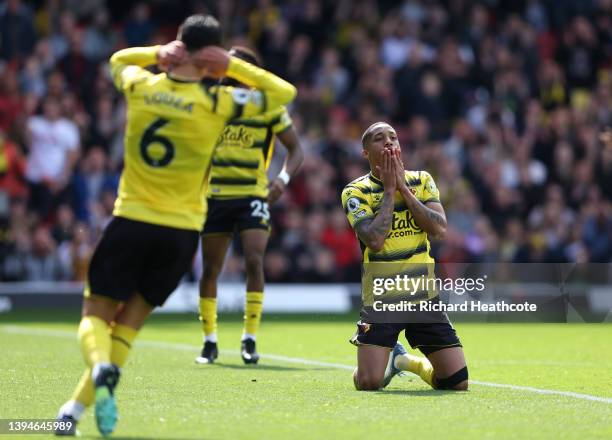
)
(53, 151)
(139, 28)
(35, 258)
(91, 180)
(17, 36)
(76, 253)
(12, 169)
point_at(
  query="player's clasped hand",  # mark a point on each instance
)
(212, 58)
(275, 190)
(215, 59)
(387, 171)
(400, 176)
(171, 54)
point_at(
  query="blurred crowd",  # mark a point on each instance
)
(503, 102)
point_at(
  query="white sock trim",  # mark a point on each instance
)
(405, 356)
(211, 338)
(72, 408)
(96, 369)
(248, 336)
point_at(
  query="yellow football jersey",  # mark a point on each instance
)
(405, 242)
(244, 149)
(172, 129)
(406, 247)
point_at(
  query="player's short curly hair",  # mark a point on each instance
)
(198, 31)
(365, 137)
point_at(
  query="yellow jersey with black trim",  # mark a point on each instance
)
(406, 242)
(171, 132)
(242, 157)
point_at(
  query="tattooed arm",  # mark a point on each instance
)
(373, 231)
(429, 217)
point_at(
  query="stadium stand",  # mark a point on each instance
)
(503, 102)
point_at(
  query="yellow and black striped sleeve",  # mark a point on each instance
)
(430, 190)
(356, 205)
(127, 65)
(281, 121)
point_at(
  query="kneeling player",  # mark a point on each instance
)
(372, 203)
(238, 200)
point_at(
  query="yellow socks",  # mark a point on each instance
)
(208, 316)
(95, 340)
(84, 391)
(122, 338)
(252, 313)
(417, 365)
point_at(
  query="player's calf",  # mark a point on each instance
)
(253, 262)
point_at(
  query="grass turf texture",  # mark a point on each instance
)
(164, 394)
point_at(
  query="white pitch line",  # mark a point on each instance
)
(544, 391)
(293, 360)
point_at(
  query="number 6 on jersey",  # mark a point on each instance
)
(148, 138)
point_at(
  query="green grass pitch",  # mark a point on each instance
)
(164, 394)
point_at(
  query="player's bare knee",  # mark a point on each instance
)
(370, 385)
(367, 382)
(101, 307)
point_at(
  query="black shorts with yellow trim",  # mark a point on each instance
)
(134, 256)
(226, 216)
(427, 337)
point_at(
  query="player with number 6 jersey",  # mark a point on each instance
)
(173, 123)
(239, 197)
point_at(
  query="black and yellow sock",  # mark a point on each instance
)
(95, 340)
(208, 316)
(84, 391)
(122, 338)
(417, 365)
(252, 313)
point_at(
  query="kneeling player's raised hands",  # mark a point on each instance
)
(386, 170)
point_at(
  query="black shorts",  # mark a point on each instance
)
(134, 256)
(226, 216)
(427, 337)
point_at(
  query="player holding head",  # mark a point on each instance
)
(238, 200)
(173, 124)
(393, 213)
